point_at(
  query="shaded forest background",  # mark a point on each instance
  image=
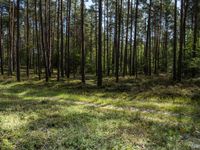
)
(108, 38)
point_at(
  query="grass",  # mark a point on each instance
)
(147, 113)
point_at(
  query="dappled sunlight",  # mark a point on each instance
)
(72, 116)
(12, 122)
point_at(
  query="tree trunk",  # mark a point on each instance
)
(68, 39)
(43, 43)
(37, 42)
(17, 43)
(61, 42)
(175, 42)
(195, 31)
(58, 40)
(147, 53)
(1, 37)
(126, 44)
(82, 44)
(27, 39)
(135, 41)
(107, 50)
(180, 59)
(118, 41)
(99, 80)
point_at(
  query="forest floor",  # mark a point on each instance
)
(144, 113)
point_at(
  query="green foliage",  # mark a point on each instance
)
(151, 114)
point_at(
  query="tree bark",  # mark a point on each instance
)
(126, 44)
(99, 79)
(135, 41)
(82, 44)
(43, 43)
(175, 42)
(1, 37)
(27, 39)
(18, 42)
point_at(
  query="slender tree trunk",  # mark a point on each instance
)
(13, 47)
(186, 4)
(131, 40)
(11, 40)
(126, 44)
(166, 44)
(180, 59)
(114, 51)
(49, 39)
(96, 34)
(1, 37)
(135, 41)
(99, 80)
(118, 41)
(46, 37)
(75, 35)
(17, 42)
(195, 32)
(27, 39)
(82, 44)
(68, 39)
(175, 42)
(108, 53)
(104, 38)
(61, 42)
(43, 43)
(58, 40)
(91, 40)
(122, 47)
(37, 41)
(147, 53)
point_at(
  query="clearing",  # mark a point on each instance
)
(147, 113)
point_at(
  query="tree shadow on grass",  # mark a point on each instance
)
(90, 129)
(71, 131)
(20, 105)
(124, 91)
(94, 128)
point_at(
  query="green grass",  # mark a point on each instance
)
(147, 113)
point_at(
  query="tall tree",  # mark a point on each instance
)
(37, 40)
(46, 40)
(131, 40)
(108, 47)
(195, 32)
(118, 40)
(166, 40)
(126, 44)
(135, 41)
(61, 42)
(175, 42)
(18, 42)
(82, 44)
(11, 32)
(99, 80)
(27, 38)
(58, 40)
(50, 35)
(180, 57)
(115, 45)
(45, 59)
(1, 37)
(147, 53)
(68, 39)
(96, 34)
